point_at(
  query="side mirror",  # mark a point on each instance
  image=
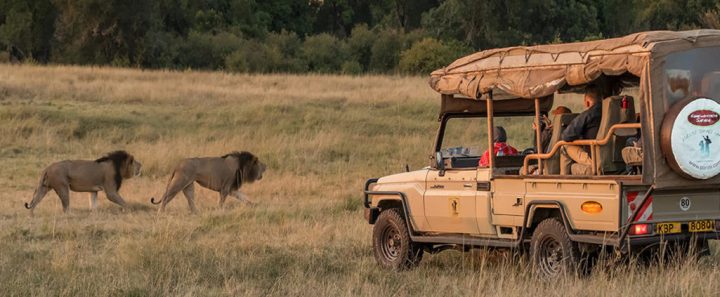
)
(440, 163)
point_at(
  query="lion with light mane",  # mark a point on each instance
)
(104, 174)
(224, 175)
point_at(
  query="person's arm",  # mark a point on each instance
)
(574, 130)
(545, 141)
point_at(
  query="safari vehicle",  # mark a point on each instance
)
(662, 87)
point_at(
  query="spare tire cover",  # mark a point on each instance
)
(690, 138)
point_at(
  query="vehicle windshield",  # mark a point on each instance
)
(467, 136)
(464, 137)
(693, 73)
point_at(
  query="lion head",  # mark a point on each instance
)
(124, 163)
(250, 168)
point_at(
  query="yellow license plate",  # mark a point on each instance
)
(701, 226)
(667, 228)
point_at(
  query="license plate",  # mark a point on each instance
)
(667, 228)
(701, 226)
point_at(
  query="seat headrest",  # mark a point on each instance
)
(618, 110)
(622, 106)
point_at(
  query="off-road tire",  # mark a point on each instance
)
(552, 253)
(392, 245)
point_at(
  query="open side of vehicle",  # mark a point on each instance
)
(668, 193)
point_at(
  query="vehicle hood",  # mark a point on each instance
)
(405, 177)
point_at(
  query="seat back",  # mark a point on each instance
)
(559, 123)
(615, 110)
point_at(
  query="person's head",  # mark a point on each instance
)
(560, 110)
(545, 122)
(499, 134)
(592, 96)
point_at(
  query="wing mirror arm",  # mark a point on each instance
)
(440, 163)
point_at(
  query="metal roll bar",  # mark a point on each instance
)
(584, 142)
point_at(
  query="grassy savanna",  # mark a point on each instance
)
(321, 137)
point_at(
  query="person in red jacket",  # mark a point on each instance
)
(501, 148)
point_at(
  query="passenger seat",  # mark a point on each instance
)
(560, 122)
(615, 110)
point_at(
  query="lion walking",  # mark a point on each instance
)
(104, 174)
(224, 175)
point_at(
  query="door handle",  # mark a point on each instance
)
(467, 185)
(437, 187)
(518, 201)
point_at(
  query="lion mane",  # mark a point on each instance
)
(119, 161)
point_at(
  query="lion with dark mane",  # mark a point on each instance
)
(104, 174)
(224, 175)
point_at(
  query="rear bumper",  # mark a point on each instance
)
(646, 240)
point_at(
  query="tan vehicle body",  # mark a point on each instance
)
(665, 200)
(459, 207)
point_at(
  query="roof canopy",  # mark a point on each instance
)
(510, 107)
(538, 71)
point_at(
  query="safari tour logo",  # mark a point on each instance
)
(693, 132)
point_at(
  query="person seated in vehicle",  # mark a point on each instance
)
(576, 159)
(501, 148)
(632, 153)
(546, 132)
(546, 127)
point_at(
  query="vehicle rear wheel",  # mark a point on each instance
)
(392, 245)
(552, 253)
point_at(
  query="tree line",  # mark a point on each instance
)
(323, 36)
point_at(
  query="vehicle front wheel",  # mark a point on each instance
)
(552, 253)
(392, 245)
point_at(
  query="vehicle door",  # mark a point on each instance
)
(450, 196)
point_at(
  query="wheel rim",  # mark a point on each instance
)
(391, 243)
(550, 256)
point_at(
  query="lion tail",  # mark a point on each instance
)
(42, 183)
(152, 199)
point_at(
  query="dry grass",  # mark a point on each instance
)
(321, 136)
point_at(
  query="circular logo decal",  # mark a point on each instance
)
(695, 139)
(685, 203)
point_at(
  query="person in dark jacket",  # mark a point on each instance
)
(584, 126)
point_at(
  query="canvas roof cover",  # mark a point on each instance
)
(538, 71)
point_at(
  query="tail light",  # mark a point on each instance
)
(640, 229)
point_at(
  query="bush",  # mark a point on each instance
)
(289, 45)
(351, 67)
(324, 53)
(412, 37)
(161, 50)
(385, 52)
(360, 45)
(4, 57)
(287, 42)
(255, 57)
(236, 62)
(208, 51)
(430, 54)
